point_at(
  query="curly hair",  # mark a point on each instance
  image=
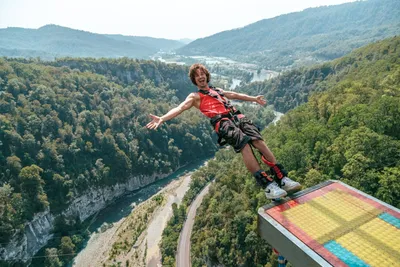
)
(194, 68)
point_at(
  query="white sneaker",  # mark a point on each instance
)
(273, 191)
(289, 185)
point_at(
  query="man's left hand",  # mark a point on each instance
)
(260, 100)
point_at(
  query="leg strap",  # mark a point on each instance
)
(262, 178)
(276, 169)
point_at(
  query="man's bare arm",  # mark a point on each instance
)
(239, 96)
(185, 105)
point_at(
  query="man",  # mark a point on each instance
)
(234, 128)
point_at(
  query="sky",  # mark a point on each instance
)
(170, 19)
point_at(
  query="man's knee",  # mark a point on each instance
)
(259, 144)
(241, 143)
(246, 148)
(257, 141)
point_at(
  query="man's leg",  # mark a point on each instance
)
(277, 169)
(249, 160)
(272, 190)
(262, 147)
(234, 136)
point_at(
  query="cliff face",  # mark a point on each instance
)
(35, 235)
(38, 232)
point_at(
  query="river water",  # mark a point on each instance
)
(116, 212)
(123, 206)
(278, 116)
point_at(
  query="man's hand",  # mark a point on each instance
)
(154, 123)
(260, 100)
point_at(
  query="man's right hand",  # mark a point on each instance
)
(156, 121)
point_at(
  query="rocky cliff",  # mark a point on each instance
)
(38, 232)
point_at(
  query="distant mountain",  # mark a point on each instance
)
(154, 43)
(185, 40)
(301, 38)
(55, 41)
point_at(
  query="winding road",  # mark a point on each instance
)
(183, 253)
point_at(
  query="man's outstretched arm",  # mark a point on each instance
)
(157, 121)
(234, 95)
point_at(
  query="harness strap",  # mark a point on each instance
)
(276, 169)
(220, 97)
(233, 115)
(216, 127)
(234, 118)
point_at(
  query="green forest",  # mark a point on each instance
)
(304, 38)
(76, 124)
(348, 130)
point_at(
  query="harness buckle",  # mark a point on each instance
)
(214, 120)
(235, 120)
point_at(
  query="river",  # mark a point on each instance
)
(278, 116)
(115, 213)
(124, 205)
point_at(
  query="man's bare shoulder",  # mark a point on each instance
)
(194, 95)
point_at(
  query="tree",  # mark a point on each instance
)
(32, 189)
(389, 186)
(67, 248)
(14, 164)
(52, 259)
(6, 211)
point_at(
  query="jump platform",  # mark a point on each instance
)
(332, 224)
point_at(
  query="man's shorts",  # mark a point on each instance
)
(238, 136)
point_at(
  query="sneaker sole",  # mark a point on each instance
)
(293, 190)
(284, 194)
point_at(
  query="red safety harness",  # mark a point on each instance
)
(228, 113)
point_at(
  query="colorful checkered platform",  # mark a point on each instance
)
(343, 226)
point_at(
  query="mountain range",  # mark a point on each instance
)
(306, 37)
(287, 41)
(55, 41)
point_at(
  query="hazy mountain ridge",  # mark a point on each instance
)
(300, 38)
(56, 41)
(154, 43)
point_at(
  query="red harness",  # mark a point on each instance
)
(214, 105)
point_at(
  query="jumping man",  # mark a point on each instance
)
(234, 128)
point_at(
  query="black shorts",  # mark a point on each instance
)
(238, 136)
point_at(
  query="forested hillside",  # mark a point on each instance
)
(78, 124)
(350, 132)
(52, 41)
(304, 38)
(293, 88)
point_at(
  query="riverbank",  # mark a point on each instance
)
(145, 251)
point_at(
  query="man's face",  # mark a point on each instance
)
(201, 79)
